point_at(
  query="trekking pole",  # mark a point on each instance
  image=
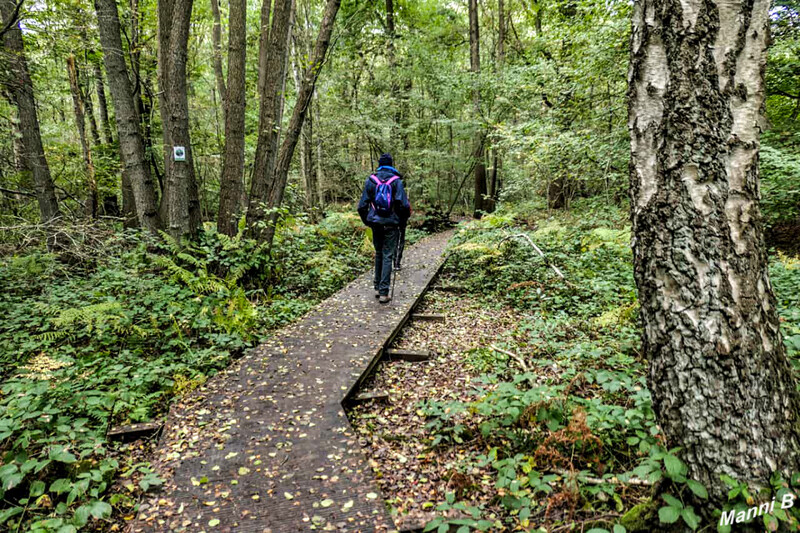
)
(394, 270)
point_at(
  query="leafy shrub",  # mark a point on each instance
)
(114, 338)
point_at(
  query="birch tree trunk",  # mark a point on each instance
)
(304, 95)
(135, 167)
(722, 387)
(20, 86)
(233, 159)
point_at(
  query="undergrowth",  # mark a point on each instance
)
(112, 340)
(563, 416)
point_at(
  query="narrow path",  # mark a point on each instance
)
(266, 446)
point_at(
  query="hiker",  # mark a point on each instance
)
(384, 207)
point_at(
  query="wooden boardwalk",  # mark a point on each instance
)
(266, 446)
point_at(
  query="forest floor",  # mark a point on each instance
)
(533, 413)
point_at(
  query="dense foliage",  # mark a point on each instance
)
(112, 339)
(563, 415)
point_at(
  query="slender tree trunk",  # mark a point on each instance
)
(263, 45)
(216, 38)
(20, 86)
(269, 123)
(180, 202)
(105, 123)
(20, 161)
(137, 181)
(496, 160)
(233, 159)
(394, 82)
(304, 95)
(86, 98)
(318, 165)
(306, 154)
(478, 151)
(80, 122)
(721, 384)
(283, 77)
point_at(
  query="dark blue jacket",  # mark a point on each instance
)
(400, 205)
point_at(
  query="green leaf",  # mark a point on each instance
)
(60, 486)
(6, 514)
(214, 522)
(669, 515)
(443, 528)
(59, 454)
(99, 509)
(37, 489)
(673, 464)
(672, 501)
(619, 528)
(691, 519)
(698, 489)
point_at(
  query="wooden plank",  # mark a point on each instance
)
(134, 431)
(286, 396)
(378, 396)
(429, 317)
(408, 355)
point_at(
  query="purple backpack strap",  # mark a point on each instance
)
(390, 180)
(374, 178)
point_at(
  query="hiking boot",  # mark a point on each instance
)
(398, 267)
(377, 294)
(385, 299)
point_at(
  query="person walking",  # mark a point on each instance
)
(383, 207)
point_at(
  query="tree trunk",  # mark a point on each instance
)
(263, 45)
(20, 161)
(19, 85)
(136, 176)
(304, 95)
(86, 98)
(721, 384)
(478, 152)
(216, 38)
(318, 165)
(306, 137)
(80, 122)
(105, 123)
(269, 123)
(233, 159)
(180, 203)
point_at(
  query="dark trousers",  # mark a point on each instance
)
(401, 244)
(384, 238)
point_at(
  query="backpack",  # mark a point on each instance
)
(383, 196)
